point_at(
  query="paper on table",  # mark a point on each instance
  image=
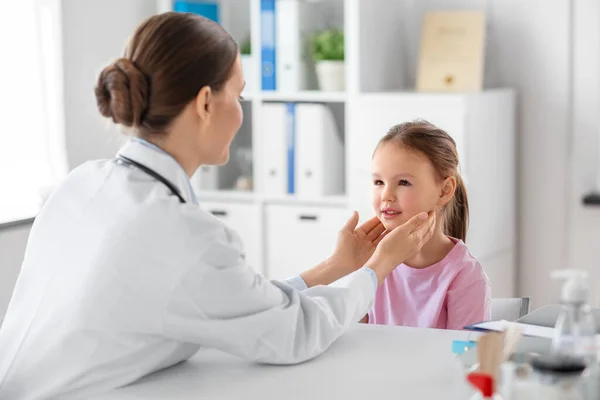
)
(528, 330)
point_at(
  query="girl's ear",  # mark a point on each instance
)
(447, 192)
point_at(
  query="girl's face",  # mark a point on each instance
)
(405, 184)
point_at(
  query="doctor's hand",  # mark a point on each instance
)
(355, 246)
(401, 243)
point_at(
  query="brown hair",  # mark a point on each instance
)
(170, 57)
(440, 149)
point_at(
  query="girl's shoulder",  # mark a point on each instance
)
(466, 266)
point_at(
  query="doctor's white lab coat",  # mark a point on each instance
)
(120, 279)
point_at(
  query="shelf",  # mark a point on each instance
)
(327, 201)
(387, 94)
(305, 96)
(251, 197)
(226, 195)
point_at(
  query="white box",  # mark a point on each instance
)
(274, 163)
(319, 167)
(295, 20)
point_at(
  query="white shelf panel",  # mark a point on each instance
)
(386, 94)
(252, 197)
(247, 96)
(305, 96)
(326, 201)
(227, 195)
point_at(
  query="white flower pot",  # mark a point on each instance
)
(331, 75)
(248, 69)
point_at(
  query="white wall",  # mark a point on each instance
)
(584, 230)
(531, 50)
(94, 34)
(528, 49)
(12, 248)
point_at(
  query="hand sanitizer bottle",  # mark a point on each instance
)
(574, 335)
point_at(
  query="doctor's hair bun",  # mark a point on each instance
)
(168, 60)
(122, 93)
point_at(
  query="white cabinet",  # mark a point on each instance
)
(379, 93)
(245, 220)
(482, 124)
(300, 237)
(372, 115)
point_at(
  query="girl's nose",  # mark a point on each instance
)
(388, 194)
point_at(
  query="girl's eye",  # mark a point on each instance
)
(378, 183)
(404, 182)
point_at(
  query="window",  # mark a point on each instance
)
(32, 145)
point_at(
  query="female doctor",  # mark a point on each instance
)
(125, 273)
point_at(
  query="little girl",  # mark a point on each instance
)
(415, 169)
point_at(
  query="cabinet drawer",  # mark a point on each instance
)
(245, 220)
(298, 237)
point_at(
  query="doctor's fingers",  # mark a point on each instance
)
(380, 238)
(369, 225)
(376, 232)
(424, 231)
(350, 225)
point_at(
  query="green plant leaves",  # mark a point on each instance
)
(328, 45)
(245, 47)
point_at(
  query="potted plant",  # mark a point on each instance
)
(247, 65)
(328, 54)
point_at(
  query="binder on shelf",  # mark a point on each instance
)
(295, 20)
(303, 151)
(291, 146)
(319, 167)
(208, 9)
(268, 45)
(206, 178)
(275, 149)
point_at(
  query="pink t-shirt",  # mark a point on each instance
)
(450, 294)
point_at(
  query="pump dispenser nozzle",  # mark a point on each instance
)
(575, 289)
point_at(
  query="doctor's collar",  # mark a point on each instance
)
(156, 148)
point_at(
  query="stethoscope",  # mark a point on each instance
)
(128, 161)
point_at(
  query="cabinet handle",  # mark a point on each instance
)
(307, 217)
(219, 213)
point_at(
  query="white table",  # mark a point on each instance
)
(368, 362)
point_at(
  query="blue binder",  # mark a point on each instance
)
(208, 9)
(267, 30)
(291, 146)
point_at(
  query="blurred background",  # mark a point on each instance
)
(516, 83)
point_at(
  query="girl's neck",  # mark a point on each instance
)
(432, 252)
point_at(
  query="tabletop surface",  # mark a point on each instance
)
(380, 362)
